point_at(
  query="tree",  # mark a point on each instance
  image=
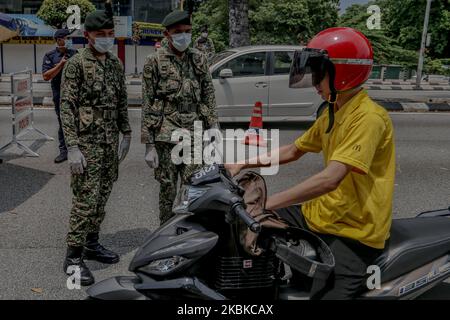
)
(291, 21)
(398, 41)
(239, 23)
(270, 21)
(404, 23)
(386, 49)
(53, 12)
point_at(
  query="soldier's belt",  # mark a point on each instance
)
(181, 108)
(105, 114)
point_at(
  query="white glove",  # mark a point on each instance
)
(124, 147)
(151, 156)
(77, 161)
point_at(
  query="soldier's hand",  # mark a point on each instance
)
(124, 147)
(77, 161)
(151, 156)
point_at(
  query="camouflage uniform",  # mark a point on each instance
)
(165, 43)
(206, 46)
(93, 111)
(176, 92)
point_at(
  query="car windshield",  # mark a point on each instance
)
(220, 56)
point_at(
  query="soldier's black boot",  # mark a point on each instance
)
(74, 258)
(93, 250)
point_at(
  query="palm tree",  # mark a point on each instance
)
(239, 25)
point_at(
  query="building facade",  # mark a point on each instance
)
(141, 10)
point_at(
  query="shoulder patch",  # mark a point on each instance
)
(147, 70)
(70, 72)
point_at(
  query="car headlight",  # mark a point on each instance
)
(186, 196)
(164, 266)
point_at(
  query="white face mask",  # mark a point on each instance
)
(181, 41)
(103, 45)
(68, 43)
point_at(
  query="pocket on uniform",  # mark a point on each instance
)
(186, 120)
(173, 85)
(86, 118)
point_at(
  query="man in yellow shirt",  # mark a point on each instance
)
(349, 203)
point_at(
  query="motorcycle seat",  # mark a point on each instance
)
(413, 243)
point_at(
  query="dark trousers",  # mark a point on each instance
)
(351, 261)
(62, 142)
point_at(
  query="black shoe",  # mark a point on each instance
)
(95, 251)
(61, 158)
(74, 258)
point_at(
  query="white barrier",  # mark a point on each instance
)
(22, 111)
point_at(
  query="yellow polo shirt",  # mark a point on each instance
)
(361, 207)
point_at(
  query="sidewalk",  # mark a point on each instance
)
(404, 102)
(372, 84)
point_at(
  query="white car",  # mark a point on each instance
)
(243, 76)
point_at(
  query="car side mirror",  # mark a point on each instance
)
(226, 73)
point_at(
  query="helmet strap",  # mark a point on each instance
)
(332, 97)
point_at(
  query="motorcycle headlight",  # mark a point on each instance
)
(164, 266)
(186, 196)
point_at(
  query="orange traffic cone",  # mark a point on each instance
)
(252, 136)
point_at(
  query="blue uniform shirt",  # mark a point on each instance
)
(51, 59)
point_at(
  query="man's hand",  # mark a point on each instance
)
(124, 147)
(151, 156)
(234, 168)
(77, 161)
(63, 61)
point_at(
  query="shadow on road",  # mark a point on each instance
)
(18, 184)
(121, 242)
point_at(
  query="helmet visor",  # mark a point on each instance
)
(308, 68)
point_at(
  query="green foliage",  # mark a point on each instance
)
(53, 12)
(294, 21)
(405, 19)
(398, 41)
(386, 50)
(271, 21)
(213, 13)
(290, 21)
(436, 66)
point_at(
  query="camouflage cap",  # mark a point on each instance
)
(177, 17)
(100, 19)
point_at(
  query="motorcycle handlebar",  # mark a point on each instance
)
(246, 218)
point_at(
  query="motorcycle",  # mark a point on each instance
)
(197, 254)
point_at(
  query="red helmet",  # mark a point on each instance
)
(350, 52)
(344, 53)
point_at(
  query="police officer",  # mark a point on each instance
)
(177, 90)
(204, 43)
(52, 67)
(93, 112)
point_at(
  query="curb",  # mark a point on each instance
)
(414, 106)
(408, 87)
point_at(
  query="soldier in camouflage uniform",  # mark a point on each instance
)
(177, 90)
(205, 44)
(93, 112)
